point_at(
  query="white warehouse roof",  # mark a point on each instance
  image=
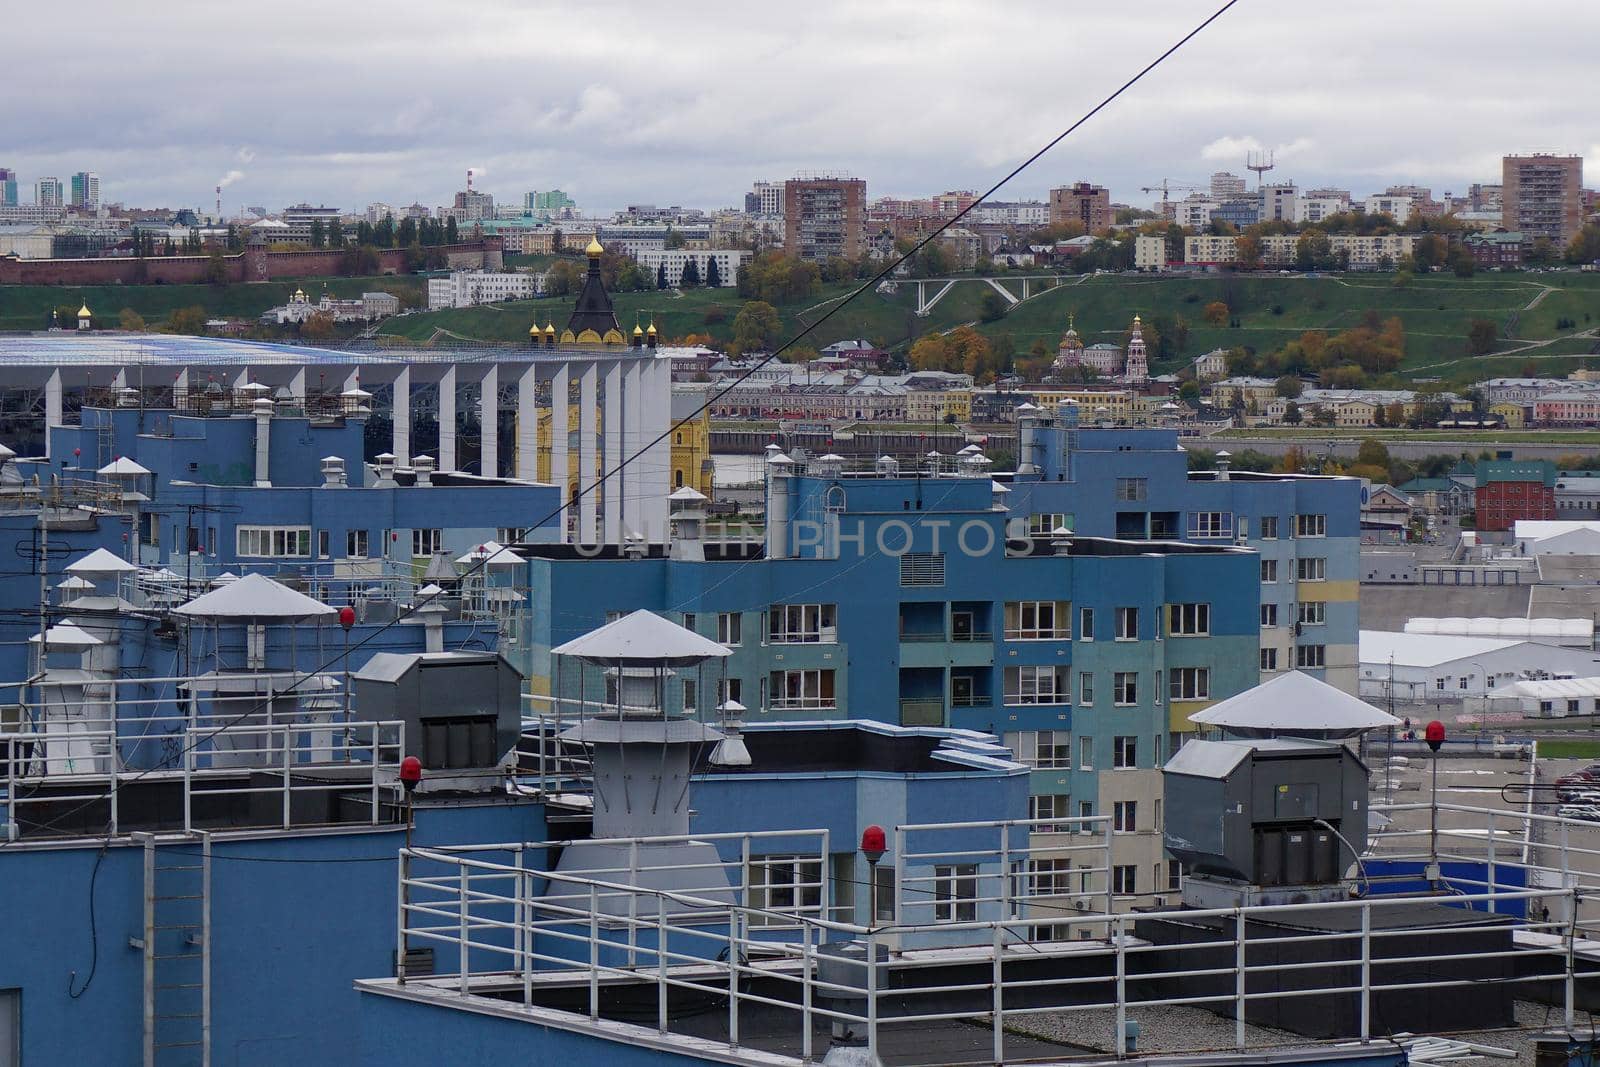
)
(1424, 650)
(1550, 688)
(1512, 629)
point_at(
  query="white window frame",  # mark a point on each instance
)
(1045, 523)
(1207, 525)
(1269, 527)
(1125, 752)
(357, 544)
(1086, 688)
(1312, 613)
(1311, 569)
(955, 893)
(788, 885)
(1189, 620)
(1023, 686)
(1048, 806)
(1125, 689)
(1269, 659)
(425, 541)
(1125, 816)
(730, 628)
(803, 624)
(272, 542)
(810, 684)
(1310, 657)
(1189, 683)
(1051, 750)
(1132, 490)
(1269, 572)
(1085, 624)
(1122, 617)
(1125, 879)
(1310, 526)
(1269, 616)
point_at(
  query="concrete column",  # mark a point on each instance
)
(489, 424)
(297, 387)
(447, 421)
(400, 443)
(52, 401)
(611, 436)
(560, 437)
(119, 380)
(527, 466)
(633, 439)
(241, 378)
(587, 532)
(180, 388)
(659, 405)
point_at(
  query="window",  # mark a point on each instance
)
(955, 893)
(510, 535)
(426, 542)
(922, 568)
(10, 1027)
(1044, 525)
(1049, 806)
(1086, 688)
(1269, 615)
(1051, 748)
(1125, 688)
(1438, 683)
(282, 541)
(1463, 684)
(1174, 876)
(1085, 753)
(1132, 488)
(1188, 620)
(355, 544)
(1124, 816)
(1311, 569)
(786, 884)
(802, 690)
(1127, 624)
(323, 539)
(1038, 620)
(1124, 879)
(730, 689)
(1049, 878)
(1189, 683)
(1310, 656)
(803, 624)
(1269, 527)
(1036, 685)
(883, 894)
(1311, 526)
(1313, 613)
(1269, 659)
(1269, 571)
(1210, 524)
(1086, 624)
(690, 621)
(730, 628)
(691, 695)
(1124, 752)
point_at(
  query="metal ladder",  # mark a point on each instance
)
(177, 949)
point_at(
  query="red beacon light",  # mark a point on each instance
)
(347, 617)
(1434, 734)
(410, 773)
(873, 843)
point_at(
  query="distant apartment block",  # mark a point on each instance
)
(1084, 203)
(1279, 202)
(1194, 212)
(1313, 207)
(1397, 207)
(86, 191)
(50, 193)
(1225, 186)
(1542, 196)
(823, 217)
(675, 260)
(1149, 253)
(468, 288)
(1509, 490)
(8, 187)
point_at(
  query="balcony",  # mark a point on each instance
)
(921, 713)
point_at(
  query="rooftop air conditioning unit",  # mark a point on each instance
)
(1081, 905)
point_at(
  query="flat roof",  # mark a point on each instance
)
(97, 348)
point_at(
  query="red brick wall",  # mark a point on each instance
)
(252, 266)
(1500, 504)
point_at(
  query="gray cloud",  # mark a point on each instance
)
(626, 102)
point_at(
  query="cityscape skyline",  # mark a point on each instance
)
(584, 117)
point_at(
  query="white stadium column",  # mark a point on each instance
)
(587, 532)
(560, 436)
(527, 465)
(633, 439)
(400, 415)
(52, 400)
(447, 421)
(489, 423)
(611, 437)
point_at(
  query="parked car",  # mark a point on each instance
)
(1589, 812)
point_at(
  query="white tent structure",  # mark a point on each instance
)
(255, 596)
(1294, 705)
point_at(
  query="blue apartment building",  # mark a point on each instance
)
(1135, 485)
(904, 600)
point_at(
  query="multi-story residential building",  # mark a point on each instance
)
(1396, 207)
(49, 193)
(1207, 249)
(1149, 252)
(765, 198)
(674, 260)
(1211, 365)
(1313, 207)
(1542, 196)
(1226, 186)
(1082, 202)
(1134, 484)
(823, 217)
(1373, 251)
(1243, 391)
(913, 600)
(8, 187)
(86, 192)
(297, 219)
(550, 201)
(1280, 202)
(1011, 213)
(464, 288)
(377, 211)
(1238, 213)
(470, 205)
(963, 246)
(1194, 211)
(1509, 490)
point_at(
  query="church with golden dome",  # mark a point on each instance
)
(594, 319)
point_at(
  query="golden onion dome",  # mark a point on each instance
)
(594, 248)
(652, 330)
(549, 329)
(84, 312)
(636, 331)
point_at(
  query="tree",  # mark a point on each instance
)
(318, 326)
(188, 320)
(756, 326)
(1249, 252)
(130, 320)
(1289, 386)
(362, 260)
(216, 269)
(992, 306)
(1189, 390)
(1314, 251)
(405, 236)
(335, 234)
(661, 276)
(691, 274)
(318, 238)
(674, 239)
(1373, 453)
(1291, 414)
(1462, 263)
(1216, 313)
(713, 273)
(1429, 250)
(451, 235)
(1481, 336)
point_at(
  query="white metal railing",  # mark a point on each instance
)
(502, 926)
(286, 761)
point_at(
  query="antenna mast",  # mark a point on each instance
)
(1260, 162)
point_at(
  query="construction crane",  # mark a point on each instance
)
(1166, 185)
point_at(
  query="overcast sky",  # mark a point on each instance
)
(688, 103)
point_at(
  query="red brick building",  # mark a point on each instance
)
(1509, 490)
(1084, 203)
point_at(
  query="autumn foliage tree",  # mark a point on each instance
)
(1216, 313)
